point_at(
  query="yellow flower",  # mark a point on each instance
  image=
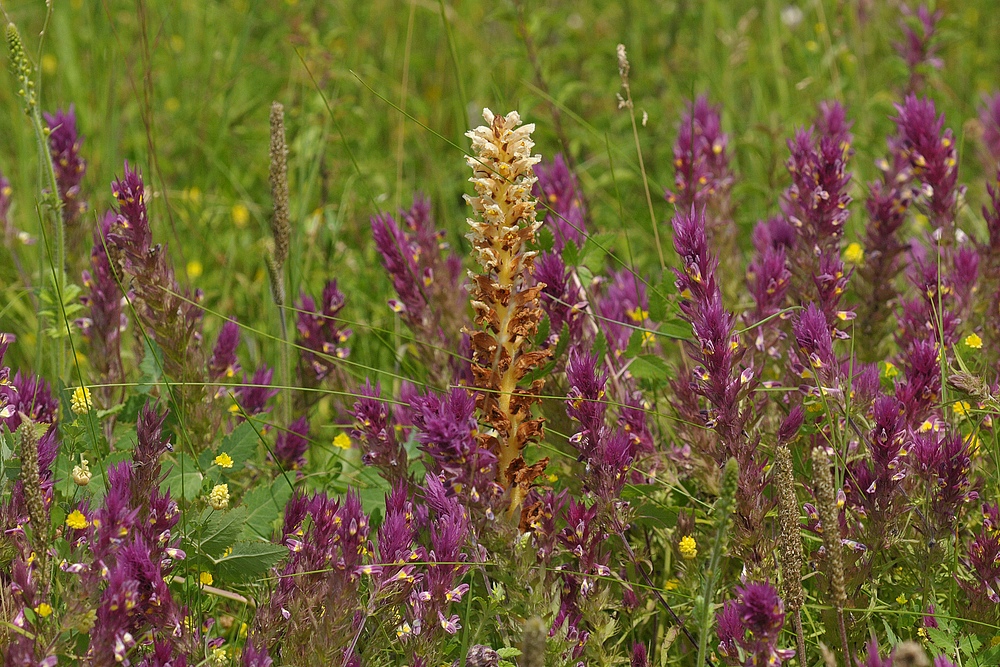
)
(671, 584)
(44, 610)
(224, 460)
(342, 440)
(76, 520)
(194, 269)
(974, 341)
(688, 548)
(890, 370)
(172, 104)
(637, 314)
(854, 253)
(901, 599)
(241, 215)
(961, 408)
(219, 497)
(218, 658)
(80, 403)
(49, 63)
(205, 578)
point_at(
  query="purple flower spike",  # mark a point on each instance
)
(812, 336)
(292, 445)
(319, 334)
(559, 192)
(377, 433)
(64, 144)
(701, 159)
(932, 156)
(989, 118)
(223, 363)
(753, 623)
(254, 395)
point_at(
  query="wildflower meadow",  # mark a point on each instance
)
(500, 334)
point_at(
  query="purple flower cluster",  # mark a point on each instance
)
(982, 564)
(69, 166)
(559, 193)
(931, 156)
(446, 430)
(563, 300)
(702, 176)
(292, 444)
(749, 627)
(223, 363)
(106, 319)
(428, 284)
(375, 429)
(253, 395)
(321, 338)
(918, 49)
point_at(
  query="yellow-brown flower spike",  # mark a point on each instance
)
(506, 309)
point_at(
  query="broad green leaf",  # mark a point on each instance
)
(183, 478)
(247, 561)
(221, 530)
(265, 505)
(649, 367)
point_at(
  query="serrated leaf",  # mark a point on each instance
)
(570, 254)
(600, 347)
(543, 332)
(596, 249)
(676, 328)
(658, 305)
(649, 367)
(221, 530)
(635, 343)
(247, 560)
(265, 505)
(544, 239)
(183, 478)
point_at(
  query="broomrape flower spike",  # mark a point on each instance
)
(506, 308)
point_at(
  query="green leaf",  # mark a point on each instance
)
(544, 327)
(508, 652)
(596, 249)
(676, 328)
(635, 343)
(570, 254)
(265, 505)
(649, 367)
(544, 239)
(658, 306)
(183, 478)
(150, 368)
(600, 347)
(247, 561)
(221, 530)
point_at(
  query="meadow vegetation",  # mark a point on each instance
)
(495, 334)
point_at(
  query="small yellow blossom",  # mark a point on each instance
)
(219, 497)
(176, 43)
(342, 441)
(205, 578)
(194, 269)
(926, 426)
(218, 658)
(637, 314)
(224, 460)
(973, 444)
(961, 408)
(901, 599)
(974, 341)
(995, 640)
(553, 478)
(81, 473)
(81, 403)
(688, 548)
(172, 104)
(76, 520)
(240, 214)
(49, 63)
(889, 369)
(44, 610)
(854, 253)
(671, 584)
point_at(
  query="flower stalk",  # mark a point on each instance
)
(506, 308)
